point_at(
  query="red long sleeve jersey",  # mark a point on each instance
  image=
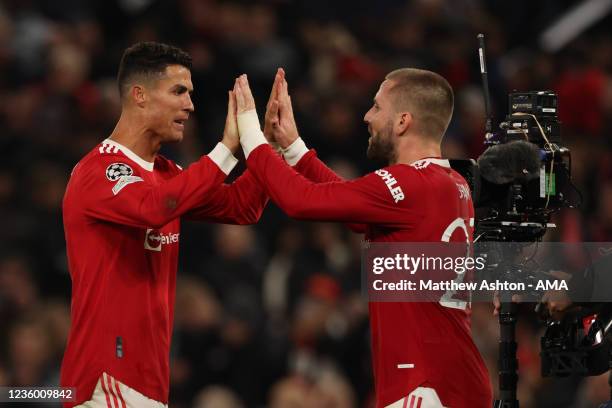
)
(122, 227)
(413, 344)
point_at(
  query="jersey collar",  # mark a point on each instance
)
(431, 160)
(130, 154)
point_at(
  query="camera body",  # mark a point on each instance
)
(520, 180)
(524, 175)
(524, 109)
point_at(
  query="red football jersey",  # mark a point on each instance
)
(413, 344)
(122, 226)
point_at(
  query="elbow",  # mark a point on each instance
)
(156, 223)
(153, 215)
(291, 205)
(249, 219)
(155, 220)
(291, 213)
(250, 216)
(295, 211)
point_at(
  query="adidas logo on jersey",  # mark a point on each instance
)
(155, 239)
(108, 148)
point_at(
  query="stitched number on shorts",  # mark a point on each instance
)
(447, 298)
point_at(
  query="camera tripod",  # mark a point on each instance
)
(508, 363)
(507, 252)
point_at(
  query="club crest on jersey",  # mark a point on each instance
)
(117, 170)
(391, 182)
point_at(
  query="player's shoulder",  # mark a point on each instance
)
(427, 167)
(106, 156)
(424, 174)
(437, 174)
(414, 171)
(430, 164)
(107, 162)
(387, 179)
(105, 166)
(435, 168)
(116, 161)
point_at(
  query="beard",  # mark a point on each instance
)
(381, 146)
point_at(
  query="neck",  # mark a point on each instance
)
(131, 133)
(411, 149)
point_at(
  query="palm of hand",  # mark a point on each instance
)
(244, 98)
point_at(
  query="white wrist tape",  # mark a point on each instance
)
(251, 135)
(223, 158)
(295, 151)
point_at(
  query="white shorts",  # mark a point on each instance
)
(422, 397)
(110, 393)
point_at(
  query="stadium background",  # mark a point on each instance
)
(271, 315)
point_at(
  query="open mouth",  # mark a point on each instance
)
(180, 123)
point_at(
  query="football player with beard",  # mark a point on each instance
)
(423, 353)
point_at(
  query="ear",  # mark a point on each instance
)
(138, 95)
(403, 122)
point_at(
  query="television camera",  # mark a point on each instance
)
(521, 179)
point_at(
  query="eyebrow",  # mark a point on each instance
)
(182, 88)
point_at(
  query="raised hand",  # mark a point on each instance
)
(287, 130)
(279, 115)
(271, 119)
(249, 128)
(244, 98)
(230, 133)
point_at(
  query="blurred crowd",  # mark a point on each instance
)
(272, 315)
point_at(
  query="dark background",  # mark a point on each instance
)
(271, 315)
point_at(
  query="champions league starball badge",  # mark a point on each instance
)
(117, 170)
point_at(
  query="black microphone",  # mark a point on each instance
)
(517, 161)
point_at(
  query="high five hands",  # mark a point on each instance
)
(279, 123)
(244, 98)
(231, 139)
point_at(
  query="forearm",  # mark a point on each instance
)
(241, 202)
(298, 197)
(306, 162)
(143, 203)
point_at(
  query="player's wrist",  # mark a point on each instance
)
(277, 147)
(222, 156)
(295, 151)
(250, 132)
(288, 141)
(231, 145)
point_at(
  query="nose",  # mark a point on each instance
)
(189, 107)
(366, 117)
